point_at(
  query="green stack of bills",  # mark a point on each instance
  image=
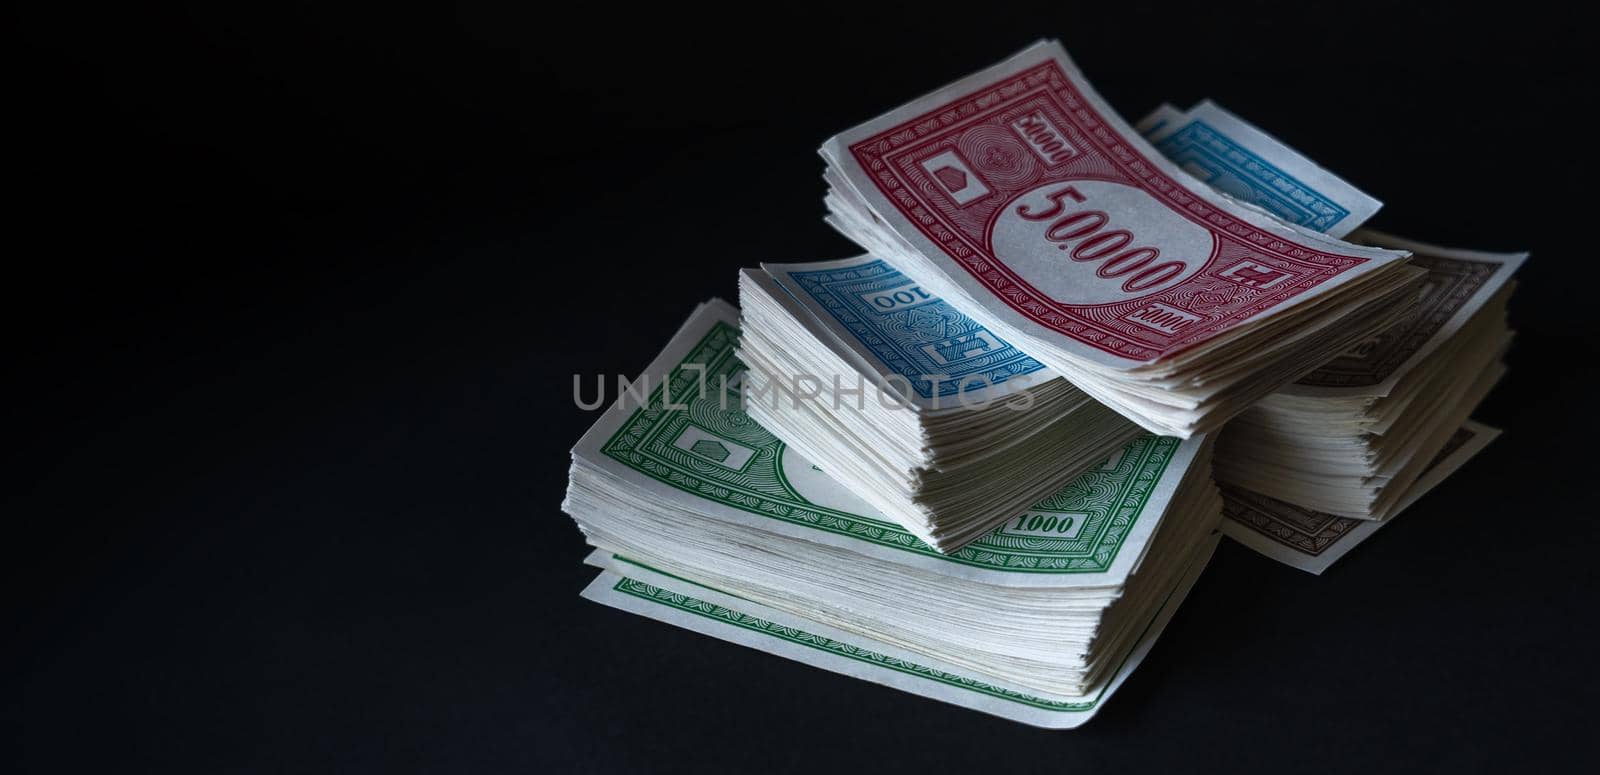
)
(702, 518)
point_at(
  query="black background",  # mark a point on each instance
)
(294, 299)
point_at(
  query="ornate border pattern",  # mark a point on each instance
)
(1301, 529)
(1451, 283)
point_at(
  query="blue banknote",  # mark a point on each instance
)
(1248, 165)
(909, 330)
(1231, 168)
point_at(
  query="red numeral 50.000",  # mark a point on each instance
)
(1094, 243)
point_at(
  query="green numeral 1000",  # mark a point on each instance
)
(1045, 523)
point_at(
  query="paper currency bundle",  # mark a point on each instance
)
(1017, 196)
(1314, 468)
(896, 471)
(703, 519)
(936, 422)
(1351, 438)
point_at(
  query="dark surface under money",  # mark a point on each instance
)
(294, 369)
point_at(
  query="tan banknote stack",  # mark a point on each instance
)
(1319, 465)
(1313, 469)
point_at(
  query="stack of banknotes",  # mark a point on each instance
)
(1352, 437)
(925, 466)
(935, 421)
(1048, 223)
(703, 518)
(1317, 466)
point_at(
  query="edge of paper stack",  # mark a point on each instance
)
(644, 591)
